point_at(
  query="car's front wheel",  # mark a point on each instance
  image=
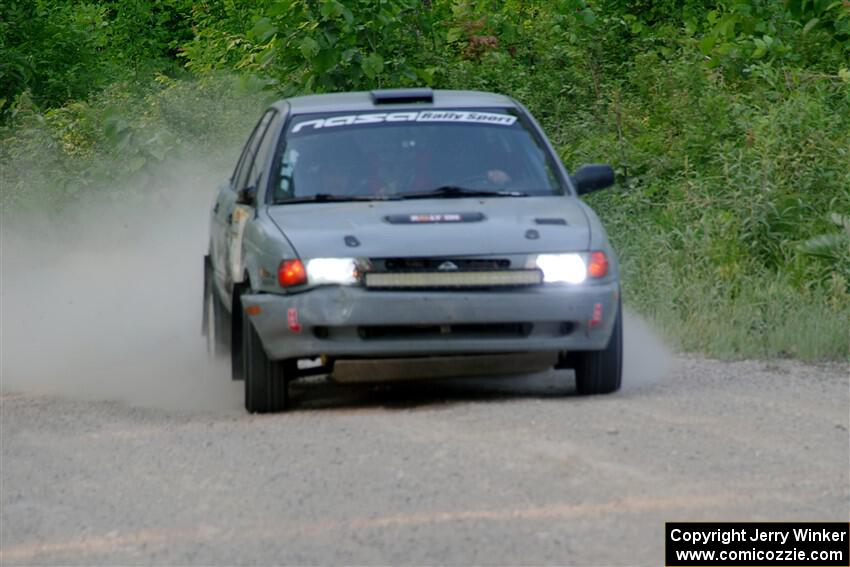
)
(601, 371)
(266, 380)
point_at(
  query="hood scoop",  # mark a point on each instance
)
(551, 221)
(430, 218)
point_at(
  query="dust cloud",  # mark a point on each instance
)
(103, 301)
(646, 359)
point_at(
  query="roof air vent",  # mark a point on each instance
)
(401, 96)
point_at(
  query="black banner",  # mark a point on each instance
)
(762, 544)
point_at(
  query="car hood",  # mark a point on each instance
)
(411, 228)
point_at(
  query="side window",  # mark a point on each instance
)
(240, 177)
(262, 151)
(244, 153)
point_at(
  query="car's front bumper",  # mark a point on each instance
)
(332, 321)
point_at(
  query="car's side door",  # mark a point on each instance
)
(222, 208)
(222, 211)
(243, 209)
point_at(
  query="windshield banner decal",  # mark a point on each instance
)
(411, 116)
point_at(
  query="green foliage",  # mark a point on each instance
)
(833, 247)
(813, 32)
(315, 45)
(728, 123)
(51, 50)
(58, 51)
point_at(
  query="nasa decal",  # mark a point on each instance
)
(412, 116)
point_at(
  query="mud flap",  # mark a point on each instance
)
(205, 311)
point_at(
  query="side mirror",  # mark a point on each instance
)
(590, 178)
(247, 196)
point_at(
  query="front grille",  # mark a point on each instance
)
(433, 264)
(474, 330)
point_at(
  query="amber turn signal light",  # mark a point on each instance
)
(598, 266)
(291, 273)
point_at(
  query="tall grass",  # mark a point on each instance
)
(720, 188)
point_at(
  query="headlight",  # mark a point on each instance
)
(321, 271)
(573, 268)
(562, 268)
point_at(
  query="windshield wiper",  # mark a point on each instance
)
(453, 191)
(329, 198)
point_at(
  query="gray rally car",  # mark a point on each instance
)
(408, 233)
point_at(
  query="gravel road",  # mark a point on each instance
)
(502, 471)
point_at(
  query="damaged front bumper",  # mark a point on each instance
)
(353, 322)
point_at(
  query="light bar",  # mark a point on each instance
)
(453, 279)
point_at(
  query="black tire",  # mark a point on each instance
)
(266, 380)
(237, 366)
(601, 371)
(221, 326)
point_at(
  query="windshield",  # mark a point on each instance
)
(411, 153)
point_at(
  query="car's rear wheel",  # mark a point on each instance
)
(601, 371)
(266, 380)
